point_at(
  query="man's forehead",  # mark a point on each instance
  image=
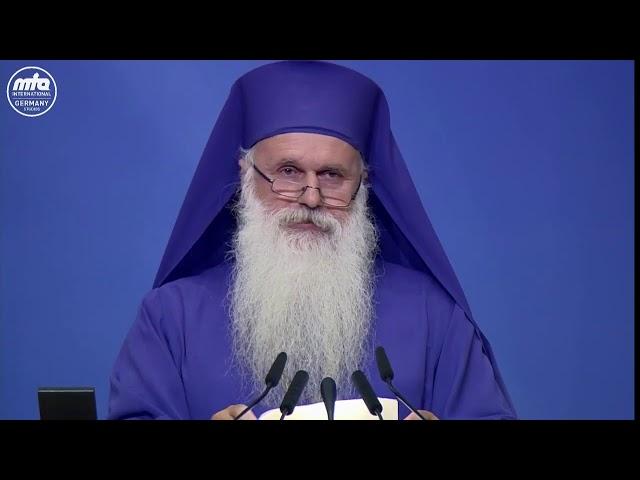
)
(312, 147)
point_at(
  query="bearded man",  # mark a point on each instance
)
(302, 232)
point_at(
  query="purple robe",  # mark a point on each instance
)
(175, 360)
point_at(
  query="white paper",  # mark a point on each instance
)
(354, 409)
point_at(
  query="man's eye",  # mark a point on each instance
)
(332, 174)
(287, 170)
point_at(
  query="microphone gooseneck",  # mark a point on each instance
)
(271, 380)
(386, 374)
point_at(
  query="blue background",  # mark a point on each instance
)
(524, 167)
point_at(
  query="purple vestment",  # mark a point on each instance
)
(175, 360)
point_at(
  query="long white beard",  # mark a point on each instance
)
(305, 293)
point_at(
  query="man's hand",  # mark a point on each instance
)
(232, 412)
(425, 414)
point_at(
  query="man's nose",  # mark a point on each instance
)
(311, 196)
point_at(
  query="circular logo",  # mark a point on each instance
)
(32, 91)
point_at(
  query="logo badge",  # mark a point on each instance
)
(32, 91)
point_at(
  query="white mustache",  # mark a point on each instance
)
(321, 219)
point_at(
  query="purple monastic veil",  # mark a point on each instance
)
(315, 97)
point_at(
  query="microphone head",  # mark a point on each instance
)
(366, 392)
(294, 391)
(275, 372)
(328, 392)
(384, 366)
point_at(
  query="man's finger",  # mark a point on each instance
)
(236, 410)
(425, 414)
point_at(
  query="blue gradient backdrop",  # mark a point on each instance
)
(525, 168)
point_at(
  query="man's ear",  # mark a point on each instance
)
(242, 163)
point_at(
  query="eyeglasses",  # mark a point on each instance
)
(334, 191)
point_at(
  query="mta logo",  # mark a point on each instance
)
(31, 91)
(32, 83)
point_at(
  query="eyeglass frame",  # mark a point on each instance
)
(304, 189)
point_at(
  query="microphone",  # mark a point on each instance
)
(386, 374)
(294, 391)
(328, 392)
(366, 392)
(275, 372)
(272, 379)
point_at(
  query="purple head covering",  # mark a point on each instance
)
(316, 97)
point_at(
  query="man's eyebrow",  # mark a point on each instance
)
(286, 161)
(295, 162)
(335, 166)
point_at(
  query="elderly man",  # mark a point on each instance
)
(303, 233)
